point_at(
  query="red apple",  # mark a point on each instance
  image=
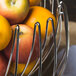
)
(3, 64)
(14, 10)
(25, 45)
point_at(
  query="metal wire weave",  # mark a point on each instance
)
(62, 13)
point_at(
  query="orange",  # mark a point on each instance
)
(21, 68)
(41, 15)
(5, 33)
(34, 2)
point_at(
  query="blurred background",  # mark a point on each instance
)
(71, 6)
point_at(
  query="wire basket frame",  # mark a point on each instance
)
(62, 12)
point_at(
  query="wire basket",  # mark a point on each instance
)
(50, 51)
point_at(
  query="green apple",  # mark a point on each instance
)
(14, 10)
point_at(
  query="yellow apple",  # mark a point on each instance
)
(14, 10)
(5, 33)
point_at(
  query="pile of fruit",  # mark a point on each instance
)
(25, 13)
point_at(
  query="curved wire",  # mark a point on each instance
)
(37, 24)
(11, 54)
(65, 15)
(55, 50)
(66, 26)
(61, 5)
(44, 44)
(17, 49)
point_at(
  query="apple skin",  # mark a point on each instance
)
(25, 45)
(3, 64)
(14, 13)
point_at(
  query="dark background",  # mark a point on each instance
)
(71, 7)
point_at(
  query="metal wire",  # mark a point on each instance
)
(17, 49)
(44, 43)
(40, 70)
(9, 63)
(63, 13)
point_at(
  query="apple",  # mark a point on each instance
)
(14, 10)
(3, 64)
(25, 45)
(5, 33)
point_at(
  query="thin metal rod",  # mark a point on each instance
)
(61, 61)
(39, 28)
(58, 45)
(40, 59)
(55, 50)
(11, 54)
(65, 15)
(43, 47)
(61, 13)
(60, 31)
(30, 53)
(53, 1)
(66, 27)
(44, 44)
(45, 39)
(17, 50)
(44, 3)
(50, 2)
(37, 24)
(58, 2)
(35, 69)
